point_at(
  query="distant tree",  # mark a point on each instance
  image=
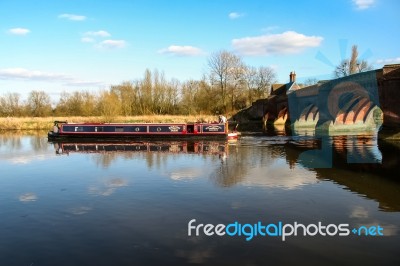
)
(251, 82)
(171, 98)
(159, 86)
(223, 66)
(310, 82)
(199, 97)
(89, 101)
(188, 101)
(109, 105)
(351, 66)
(165, 94)
(127, 96)
(62, 104)
(266, 76)
(258, 82)
(11, 105)
(39, 104)
(146, 93)
(236, 86)
(76, 103)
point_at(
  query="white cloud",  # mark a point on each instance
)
(35, 75)
(72, 17)
(22, 73)
(100, 33)
(363, 4)
(235, 15)
(87, 39)
(289, 42)
(388, 61)
(84, 83)
(182, 50)
(111, 44)
(91, 36)
(270, 28)
(19, 31)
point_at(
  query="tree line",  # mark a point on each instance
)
(229, 85)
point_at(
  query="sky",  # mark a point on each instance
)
(89, 45)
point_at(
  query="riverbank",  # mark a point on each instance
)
(46, 123)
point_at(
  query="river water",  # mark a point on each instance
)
(134, 203)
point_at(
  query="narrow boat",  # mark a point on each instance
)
(64, 130)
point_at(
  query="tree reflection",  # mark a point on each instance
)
(359, 163)
(10, 141)
(39, 143)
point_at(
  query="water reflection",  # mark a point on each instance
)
(23, 147)
(134, 200)
(10, 141)
(204, 147)
(154, 152)
(358, 162)
(109, 187)
(27, 197)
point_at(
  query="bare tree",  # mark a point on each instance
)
(310, 82)
(10, 105)
(189, 91)
(236, 83)
(89, 103)
(39, 103)
(109, 105)
(80, 103)
(251, 79)
(146, 93)
(222, 65)
(353, 62)
(203, 95)
(258, 81)
(171, 97)
(127, 97)
(266, 76)
(352, 65)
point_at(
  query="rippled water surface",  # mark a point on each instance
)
(130, 203)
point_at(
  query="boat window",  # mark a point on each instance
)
(98, 129)
(190, 128)
(78, 129)
(119, 129)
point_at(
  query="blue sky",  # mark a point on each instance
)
(69, 45)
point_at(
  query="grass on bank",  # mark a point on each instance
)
(46, 123)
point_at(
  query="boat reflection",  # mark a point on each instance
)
(198, 147)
